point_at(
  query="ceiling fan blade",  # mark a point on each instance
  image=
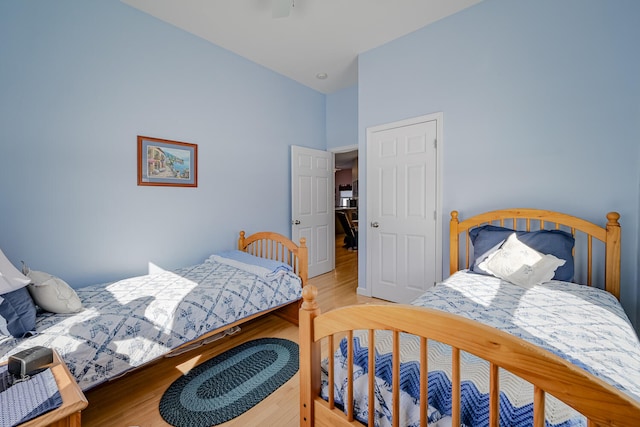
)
(280, 8)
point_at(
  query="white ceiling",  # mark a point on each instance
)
(317, 36)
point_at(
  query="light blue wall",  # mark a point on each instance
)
(342, 118)
(541, 102)
(541, 106)
(79, 80)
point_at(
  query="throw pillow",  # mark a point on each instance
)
(53, 294)
(17, 313)
(487, 239)
(520, 264)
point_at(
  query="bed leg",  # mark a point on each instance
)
(309, 356)
(290, 312)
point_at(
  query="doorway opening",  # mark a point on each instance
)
(346, 205)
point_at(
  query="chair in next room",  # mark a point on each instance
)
(351, 233)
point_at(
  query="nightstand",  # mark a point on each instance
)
(73, 400)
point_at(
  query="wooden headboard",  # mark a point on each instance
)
(270, 245)
(537, 219)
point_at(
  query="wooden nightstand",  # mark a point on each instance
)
(73, 400)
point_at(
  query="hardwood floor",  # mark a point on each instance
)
(134, 399)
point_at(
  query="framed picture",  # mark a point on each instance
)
(168, 163)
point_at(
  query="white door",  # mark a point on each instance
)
(312, 211)
(403, 239)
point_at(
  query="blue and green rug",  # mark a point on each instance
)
(229, 384)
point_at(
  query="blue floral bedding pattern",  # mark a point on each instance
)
(133, 321)
(589, 328)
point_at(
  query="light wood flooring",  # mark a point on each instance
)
(134, 399)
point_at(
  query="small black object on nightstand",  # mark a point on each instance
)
(29, 362)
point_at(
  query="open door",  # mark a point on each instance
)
(312, 206)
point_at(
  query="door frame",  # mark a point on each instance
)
(364, 284)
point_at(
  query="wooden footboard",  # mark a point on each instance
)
(598, 401)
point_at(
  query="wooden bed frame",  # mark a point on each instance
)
(269, 245)
(264, 244)
(601, 403)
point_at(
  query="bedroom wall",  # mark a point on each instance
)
(342, 118)
(79, 81)
(541, 101)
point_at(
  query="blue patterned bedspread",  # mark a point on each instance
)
(584, 325)
(133, 321)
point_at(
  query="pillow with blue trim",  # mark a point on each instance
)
(487, 239)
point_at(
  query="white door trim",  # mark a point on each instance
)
(438, 117)
(345, 149)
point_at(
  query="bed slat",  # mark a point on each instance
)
(349, 402)
(494, 395)
(372, 378)
(455, 386)
(589, 259)
(396, 378)
(538, 407)
(424, 381)
(331, 373)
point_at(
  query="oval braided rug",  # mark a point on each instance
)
(229, 384)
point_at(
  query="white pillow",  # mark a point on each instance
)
(10, 277)
(53, 294)
(521, 265)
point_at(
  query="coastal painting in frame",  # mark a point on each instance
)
(167, 163)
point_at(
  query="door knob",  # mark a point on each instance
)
(296, 222)
(375, 224)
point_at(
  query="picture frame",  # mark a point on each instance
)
(162, 162)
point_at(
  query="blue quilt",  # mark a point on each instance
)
(588, 328)
(128, 323)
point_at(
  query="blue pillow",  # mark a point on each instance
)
(488, 238)
(18, 312)
(241, 256)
